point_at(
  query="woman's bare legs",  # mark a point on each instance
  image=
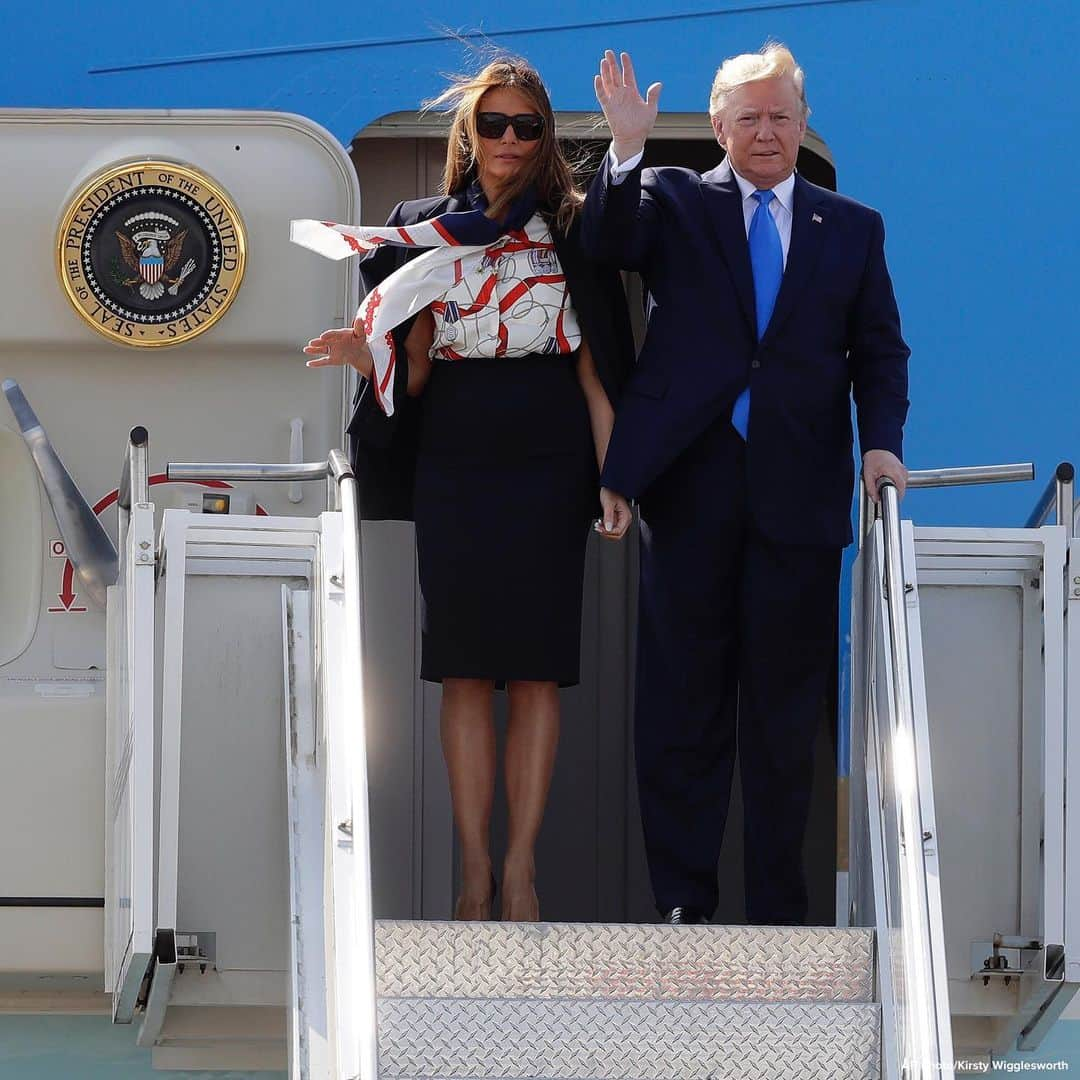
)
(531, 740)
(468, 742)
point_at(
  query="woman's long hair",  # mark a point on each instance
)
(557, 193)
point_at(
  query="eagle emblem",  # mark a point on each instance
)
(153, 251)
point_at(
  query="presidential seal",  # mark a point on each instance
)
(151, 253)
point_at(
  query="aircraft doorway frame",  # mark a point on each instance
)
(596, 868)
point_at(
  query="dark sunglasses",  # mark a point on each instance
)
(528, 127)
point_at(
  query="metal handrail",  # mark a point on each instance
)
(895, 592)
(134, 483)
(134, 476)
(132, 686)
(953, 477)
(280, 473)
(341, 494)
(245, 470)
(356, 750)
(1057, 497)
(920, 980)
(974, 474)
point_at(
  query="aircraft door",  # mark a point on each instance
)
(148, 280)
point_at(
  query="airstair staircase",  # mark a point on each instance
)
(625, 1002)
(347, 997)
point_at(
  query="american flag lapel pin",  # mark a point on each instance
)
(816, 219)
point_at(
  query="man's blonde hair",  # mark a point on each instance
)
(772, 61)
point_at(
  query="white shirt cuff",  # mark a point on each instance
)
(619, 169)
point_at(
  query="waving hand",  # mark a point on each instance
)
(629, 115)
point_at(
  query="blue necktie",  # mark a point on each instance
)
(767, 264)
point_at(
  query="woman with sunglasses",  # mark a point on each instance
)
(502, 414)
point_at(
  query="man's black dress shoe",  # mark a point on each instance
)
(684, 916)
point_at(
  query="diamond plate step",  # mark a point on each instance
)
(616, 961)
(455, 1039)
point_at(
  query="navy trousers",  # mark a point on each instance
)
(735, 644)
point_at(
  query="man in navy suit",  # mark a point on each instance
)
(770, 305)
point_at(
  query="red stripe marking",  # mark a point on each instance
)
(371, 303)
(482, 297)
(160, 478)
(353, 243)
(362, 247)
(560, 337)
(68, 575)
(444, 233)
(405, 236)
(500, 349)
(393, 360)
(157, 478)
(458, 275)
(523, 286)
(514, 246)
(438, 306)
(378, 387)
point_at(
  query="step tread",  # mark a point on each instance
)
(455, 1038)
(638, 961)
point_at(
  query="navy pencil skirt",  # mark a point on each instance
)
(506, 490)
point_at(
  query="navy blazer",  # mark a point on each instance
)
(383, 449)
(834, 330)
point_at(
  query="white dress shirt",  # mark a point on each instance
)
(781, 207)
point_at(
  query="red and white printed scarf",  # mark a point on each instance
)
(463, 243)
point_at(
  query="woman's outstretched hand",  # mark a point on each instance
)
(339, 347)
(629, 115)
(617, 515)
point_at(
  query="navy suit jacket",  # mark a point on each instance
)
(383, 449)
(834, 330)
